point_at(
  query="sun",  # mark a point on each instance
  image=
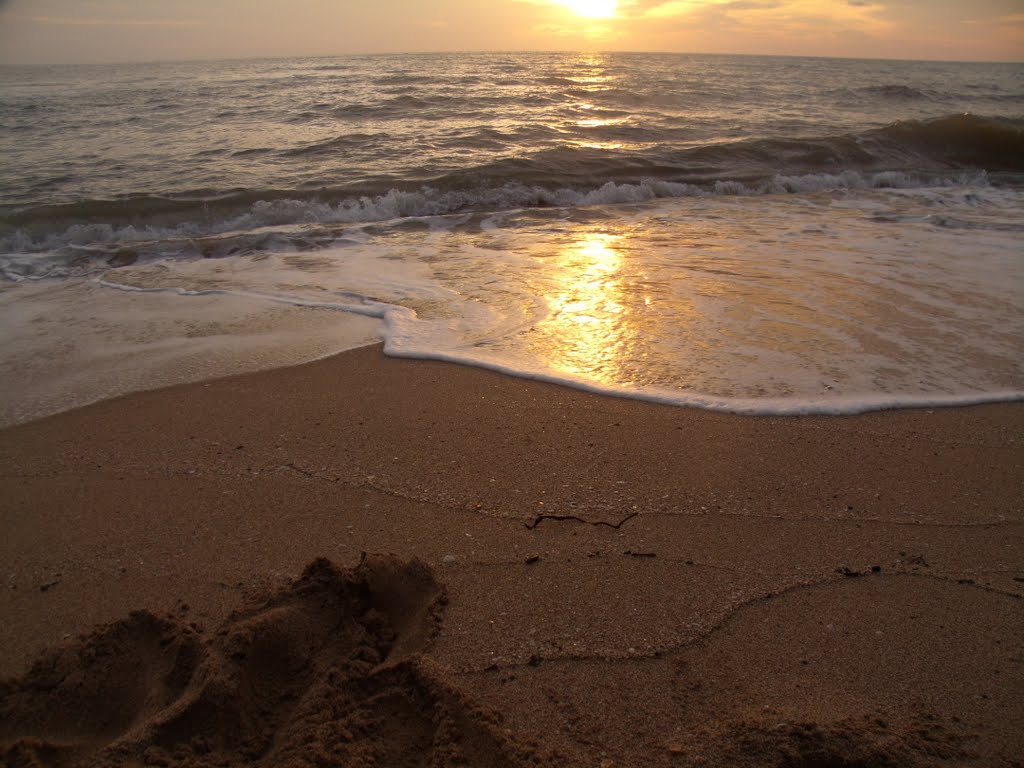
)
(592, 9)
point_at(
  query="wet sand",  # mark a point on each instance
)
(565, 579)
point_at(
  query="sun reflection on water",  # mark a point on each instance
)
(594, 73)
(588, 330)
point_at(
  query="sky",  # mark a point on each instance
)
(88, 31)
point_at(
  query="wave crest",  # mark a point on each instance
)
(303, 224)
(953, 150)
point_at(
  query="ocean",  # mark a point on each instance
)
(762, 235)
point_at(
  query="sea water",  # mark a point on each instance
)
(755, 234)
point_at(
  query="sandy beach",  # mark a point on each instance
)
(374, 561)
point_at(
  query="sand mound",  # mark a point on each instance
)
(325, 672)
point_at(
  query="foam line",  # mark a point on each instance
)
(428, 202)
(370, 308)
(832, 406)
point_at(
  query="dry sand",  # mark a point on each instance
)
(565, 579)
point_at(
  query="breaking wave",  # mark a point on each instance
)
(297, 224)
(948, 151)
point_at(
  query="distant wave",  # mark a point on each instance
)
(408, 103)
(956, 142)
(958, 149)
(890, 93)
(902, 92)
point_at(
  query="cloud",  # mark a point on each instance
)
(71, 21)
(674, 8)
(547, 5)
(595, 32)
(757, 12)
(667, 9)
(794, 15)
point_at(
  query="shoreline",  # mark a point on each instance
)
(193, 350)
(840, 405)
(626, 581)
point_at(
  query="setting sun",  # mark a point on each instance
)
(592, 9)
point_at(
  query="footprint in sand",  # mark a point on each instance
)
(325, 670)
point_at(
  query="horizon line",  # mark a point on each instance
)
(509, 51)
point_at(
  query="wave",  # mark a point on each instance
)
(996, 144)
(410, 103)
(349, 142)
(295, 224)
(403, 78)
(957, 142)
(887, 93)
(954, 150)
(898, 92)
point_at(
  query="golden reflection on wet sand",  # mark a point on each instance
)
(715, 298)
(589, 331)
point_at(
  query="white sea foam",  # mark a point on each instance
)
(287, 220)
(748, 406)
(69, 343)
(803, 303)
